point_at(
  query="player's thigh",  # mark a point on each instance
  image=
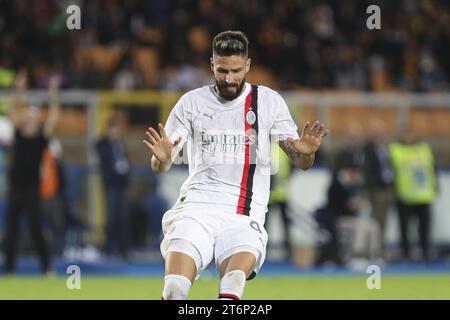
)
(180, 263)
(192, 242)
(242, 245)
(244, 261)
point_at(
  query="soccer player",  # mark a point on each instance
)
(225, 130)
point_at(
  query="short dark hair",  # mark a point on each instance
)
(229, 43)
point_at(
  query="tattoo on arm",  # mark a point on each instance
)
(299, 160)
(290, 150)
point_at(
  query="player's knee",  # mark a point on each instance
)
(232, 285)
(176, 287)
(187, 248)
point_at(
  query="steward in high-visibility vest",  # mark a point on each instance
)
(279, 181)
(415, 175)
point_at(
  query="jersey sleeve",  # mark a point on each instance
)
(283, 126)
(179, 122)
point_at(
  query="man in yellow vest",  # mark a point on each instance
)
(416, 187)
(279, 179)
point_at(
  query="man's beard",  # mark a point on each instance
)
(229, 95)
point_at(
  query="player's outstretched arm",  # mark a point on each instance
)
(302, 151)
(162, 148)
(54, 106)
(18, 98)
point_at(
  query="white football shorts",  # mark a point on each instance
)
(214, 231)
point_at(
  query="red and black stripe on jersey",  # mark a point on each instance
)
(248, 172)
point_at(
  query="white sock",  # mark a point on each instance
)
(232, 285)
(176, 287)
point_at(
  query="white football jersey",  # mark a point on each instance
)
(227, 146)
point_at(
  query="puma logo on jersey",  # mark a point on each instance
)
(211, 116)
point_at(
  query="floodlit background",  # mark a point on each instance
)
(131, 61)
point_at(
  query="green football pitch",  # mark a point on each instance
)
(424, 286)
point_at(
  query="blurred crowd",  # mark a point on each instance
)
(35, 188)
(159, 44)
(370, 177)
(399, 175)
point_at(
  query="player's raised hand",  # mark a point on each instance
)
(311, 138)
(159, 144)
